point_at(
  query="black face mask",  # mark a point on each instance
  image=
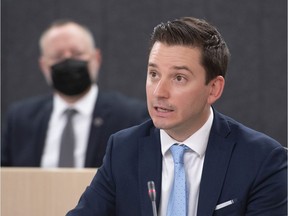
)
(71, 77)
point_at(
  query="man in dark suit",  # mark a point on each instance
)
(70, 62)
(213, 164)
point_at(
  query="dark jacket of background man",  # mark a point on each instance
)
(27, 122)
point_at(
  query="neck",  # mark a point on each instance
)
(185, 130)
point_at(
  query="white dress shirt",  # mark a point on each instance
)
(81, 123)
(193, 163)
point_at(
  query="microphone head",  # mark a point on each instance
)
(151, 190)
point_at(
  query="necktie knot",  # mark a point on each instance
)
(70, 112)
(178, 153)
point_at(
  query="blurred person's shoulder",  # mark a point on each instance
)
(123, 106)
(120, 101)
(31, 105)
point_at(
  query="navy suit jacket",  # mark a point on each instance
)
(27, 122)
(240, 165)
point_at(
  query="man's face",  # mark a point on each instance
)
(178, 99)
(66, 42)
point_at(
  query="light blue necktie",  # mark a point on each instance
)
(177, 205)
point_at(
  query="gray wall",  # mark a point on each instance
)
(255, 30)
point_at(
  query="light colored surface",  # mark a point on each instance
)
(42, 192)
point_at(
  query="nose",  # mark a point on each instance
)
(162, 89)
(67, 54)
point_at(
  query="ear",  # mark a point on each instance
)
(216, 89)
(98, 59)
(98, 56)
(95, 64)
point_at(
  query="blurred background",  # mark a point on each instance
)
(255, 31)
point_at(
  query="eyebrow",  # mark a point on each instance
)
(152, 65)
(174, 67)
(182, 68)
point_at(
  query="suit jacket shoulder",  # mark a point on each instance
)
(133, 158)
(30, 106)
(256, 163)
(25, 131)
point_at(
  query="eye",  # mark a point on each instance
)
(152, 74)
(56, 58)
(77, 54)
(179, 78)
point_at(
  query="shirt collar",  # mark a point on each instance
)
(83, 106)
(197, 141)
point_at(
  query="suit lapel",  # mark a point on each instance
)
(99, 114)
(41, 123)
(217, 157)
(150, 169)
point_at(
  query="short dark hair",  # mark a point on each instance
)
(193, 32)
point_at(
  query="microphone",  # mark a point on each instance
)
(152, 195)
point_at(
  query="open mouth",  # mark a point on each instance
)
(162, 109)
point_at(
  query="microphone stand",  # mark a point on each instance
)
(152, 195)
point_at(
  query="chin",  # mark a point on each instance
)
(160, 124)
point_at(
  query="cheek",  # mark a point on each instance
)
(191, 100)
(149, 89)
(46, 70)
(47, 75)
(93, 70)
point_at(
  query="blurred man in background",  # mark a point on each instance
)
(69, 128)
